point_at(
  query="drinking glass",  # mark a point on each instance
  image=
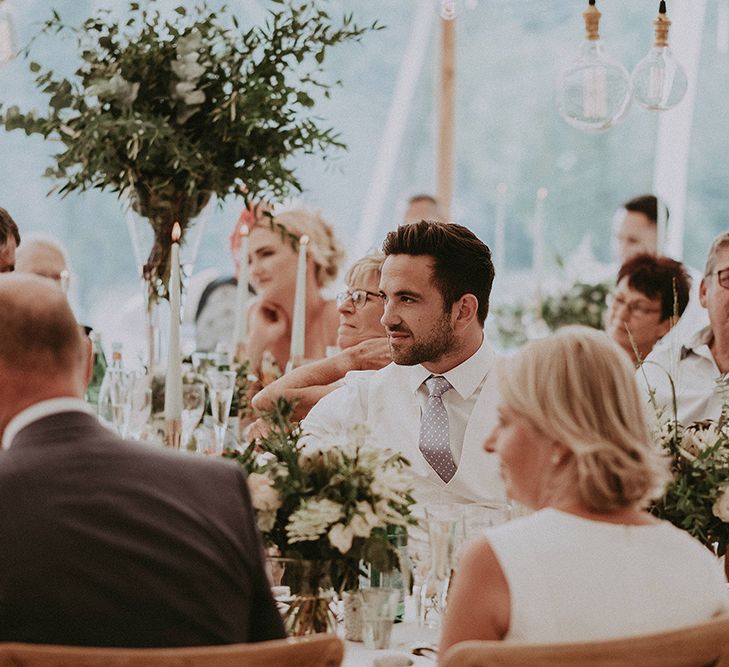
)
(445, 535)
(220, 385)
(140, 405)
(114, 404)
(193, 406)
(379, 607)
(478, 517)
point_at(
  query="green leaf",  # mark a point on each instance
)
(181, 11)
(34, 67)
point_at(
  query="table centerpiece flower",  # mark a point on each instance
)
(326, 503)
(167, 112)
(697, 497)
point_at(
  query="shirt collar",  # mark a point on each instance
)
(464, 378)
(701, 338)
(39, 411)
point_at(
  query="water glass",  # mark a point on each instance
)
(379, 608)
(140, 405)
(445, 535)
(220, 385)
(114, 400)
(478, 517)
(193, 406)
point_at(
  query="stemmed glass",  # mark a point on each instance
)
(220, 385)
(445, 535)
(114, 404)
(140, 405)
(193, 406)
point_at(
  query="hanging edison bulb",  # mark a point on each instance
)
(449, 9)
(7, 37)
(594, 90)
(659, 82)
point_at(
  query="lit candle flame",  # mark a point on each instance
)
(176, 232)
(304, 240)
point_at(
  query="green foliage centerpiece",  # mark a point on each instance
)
(169, 112)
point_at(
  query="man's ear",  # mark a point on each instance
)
(465, 311)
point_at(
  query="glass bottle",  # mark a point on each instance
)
(99, 370)
(113, 406)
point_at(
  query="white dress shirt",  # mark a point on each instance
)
(390, 402)
(40, 411)
(694, 373)
(466, 379)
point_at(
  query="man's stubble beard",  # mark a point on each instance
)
(440, 341)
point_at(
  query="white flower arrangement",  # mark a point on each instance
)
(328, 500)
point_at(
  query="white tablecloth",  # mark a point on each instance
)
(404, 637)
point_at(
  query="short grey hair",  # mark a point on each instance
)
(371, 263)
(717, 245)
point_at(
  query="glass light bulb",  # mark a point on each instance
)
(449, 9)
(659, 82)
(594, 91)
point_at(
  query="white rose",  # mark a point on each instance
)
(341, 537)
(721, 506)
(263, 494)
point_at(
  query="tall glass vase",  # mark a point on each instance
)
(311, 599)
(151, 245)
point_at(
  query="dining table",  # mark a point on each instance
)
(411, 644)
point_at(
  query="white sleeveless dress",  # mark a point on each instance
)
(573, 579)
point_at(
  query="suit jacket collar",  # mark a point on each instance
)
(40, 411)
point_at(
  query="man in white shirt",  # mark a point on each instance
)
(697, 366)
(436, 402)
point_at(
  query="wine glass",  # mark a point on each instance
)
(140, 405)
(193, 406)
(220, 385)
(114, 406)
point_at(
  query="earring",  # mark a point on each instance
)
(555, 458)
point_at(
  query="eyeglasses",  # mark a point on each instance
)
(358, 296)
(639, 308)
(722, 277)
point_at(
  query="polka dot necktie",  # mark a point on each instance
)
(434, 441)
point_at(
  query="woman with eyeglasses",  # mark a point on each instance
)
(360, 337)
(272, 274)
(651, 294)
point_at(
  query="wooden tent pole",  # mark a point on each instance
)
(446, 116)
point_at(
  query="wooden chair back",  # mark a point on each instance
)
(693, 646)
(314, 651)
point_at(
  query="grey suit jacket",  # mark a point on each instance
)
(111, 543)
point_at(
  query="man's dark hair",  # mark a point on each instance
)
(461, 261)
(647, 205)
(8, 228)
(657, 276)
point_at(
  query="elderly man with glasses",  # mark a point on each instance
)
(697, 366)
(651, 294)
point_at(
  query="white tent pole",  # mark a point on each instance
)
(670, 171)
(397, 117)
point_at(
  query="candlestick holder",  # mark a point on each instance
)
(173, 433)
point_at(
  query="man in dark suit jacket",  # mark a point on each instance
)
(105, 542)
